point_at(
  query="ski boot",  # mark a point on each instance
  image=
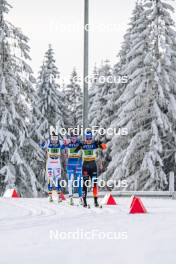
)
(96, 202)
(71, 201)
(59, 198)
(50, 198)
(84, 202)
(80, 201)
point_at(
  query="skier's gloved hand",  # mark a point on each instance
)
(104, 146)
(65, 141)
(42, 145)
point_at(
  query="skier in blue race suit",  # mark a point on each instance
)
(74, 167)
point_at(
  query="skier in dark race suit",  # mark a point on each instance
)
(89, 149)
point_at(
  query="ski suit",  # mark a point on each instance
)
(53, 164)
(89, 169)
(74, 168)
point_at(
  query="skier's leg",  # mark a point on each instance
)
(57, 173)
(70, 174)
(94, 178)
(85, 180)
(70, 186)
(79, 177)
(50, 184)
(70, 183)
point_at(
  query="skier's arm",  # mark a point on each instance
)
(43, 145)
(62, 145)
(63, 148)
(79, 147)
(101, 145)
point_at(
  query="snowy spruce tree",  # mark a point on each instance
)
(92, 89)
(67, 118)
(50, 97)
(37, 156)
(147, 105)
(16, 93)
(74, 98)
(119, 85)
(100, 108)
(120, 70)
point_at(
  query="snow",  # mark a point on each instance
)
(25, 226)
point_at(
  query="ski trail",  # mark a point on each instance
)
(35, 214)
(38, 212)
(26, 226)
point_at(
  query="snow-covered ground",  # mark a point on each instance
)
(28, 226)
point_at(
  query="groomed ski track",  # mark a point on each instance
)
(26, 226)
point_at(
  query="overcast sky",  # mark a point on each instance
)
(59, 22)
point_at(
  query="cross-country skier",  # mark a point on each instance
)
(53, 146)
(89, 155)
(74, 167)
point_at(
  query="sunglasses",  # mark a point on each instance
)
(54, 138)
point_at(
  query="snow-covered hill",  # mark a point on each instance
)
(28, 226)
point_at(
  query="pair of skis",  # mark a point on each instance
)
(88, 206)
(84, 203)
(71, 203)
(52, 201)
